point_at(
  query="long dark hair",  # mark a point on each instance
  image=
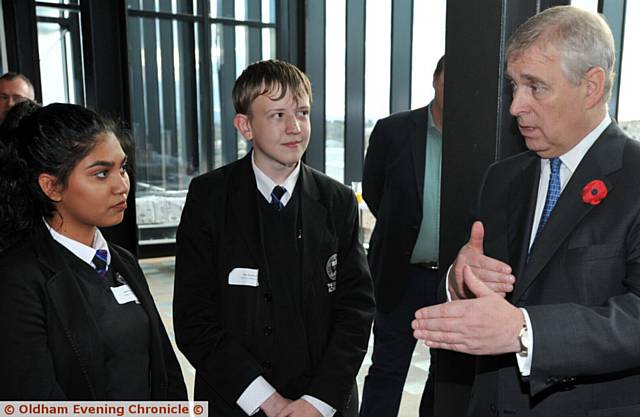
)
(36, 140)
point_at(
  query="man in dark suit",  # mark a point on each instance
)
(273, 297)
(558, 234)
(401, 185)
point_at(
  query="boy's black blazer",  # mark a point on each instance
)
(227, 331)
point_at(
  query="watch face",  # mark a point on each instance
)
(525, 339)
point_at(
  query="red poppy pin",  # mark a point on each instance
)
(594, 192)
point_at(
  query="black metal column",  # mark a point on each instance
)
(315, 68)
(254, 34)
(401, 38)
(354, 92)
(291, 36)
(227, 76)
(106, 81)
(21, 34)
(478, 130)
(614, 12)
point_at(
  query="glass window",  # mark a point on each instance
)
(181, 99)
(377, 65)
(165, 112)
(269, 11)
(428, 41)
(429, 21)
(216, 65)
(242, 60)
(268, 42)
(242, 57)
(241, 9)
(60, 53)
(165, 6)
(65, 2)
(222, 8)
(591, 5)
(335, 93)
(628, 108)
(259, 10)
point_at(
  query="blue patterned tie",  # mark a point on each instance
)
(100, 261)
(553, 193)
(276, 195)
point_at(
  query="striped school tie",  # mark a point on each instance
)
(276, 195)
(100, 261)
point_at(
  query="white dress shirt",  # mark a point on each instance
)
(82, 251)
(265, 184)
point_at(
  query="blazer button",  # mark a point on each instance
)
(267, 297)
(268, 330)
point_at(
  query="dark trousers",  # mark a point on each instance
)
(393, 345)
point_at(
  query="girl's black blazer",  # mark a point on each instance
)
(50, 345)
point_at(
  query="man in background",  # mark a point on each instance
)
(401, 185)
(14, 88)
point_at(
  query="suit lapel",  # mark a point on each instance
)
(522, 206)
(314, 222)
(74, 317)
(135, 280)
(243, 206)
(418, 138)
(604, 158)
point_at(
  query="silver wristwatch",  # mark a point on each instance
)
(523, 339)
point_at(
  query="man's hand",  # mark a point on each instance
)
(299, 408)
(494, 273)
(485, 325)
(274, 404)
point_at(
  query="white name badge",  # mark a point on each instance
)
(123, 294)
(244, 276)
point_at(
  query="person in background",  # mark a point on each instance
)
(546, 293)
(273, 298)
(401, 185)
(14, 88)
(76, 316)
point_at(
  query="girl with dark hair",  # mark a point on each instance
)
(76, 316)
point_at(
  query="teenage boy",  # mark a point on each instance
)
(273, 297)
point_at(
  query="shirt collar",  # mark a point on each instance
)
(265, 184)
(82, 251)
(432, 124)
(572, 158)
